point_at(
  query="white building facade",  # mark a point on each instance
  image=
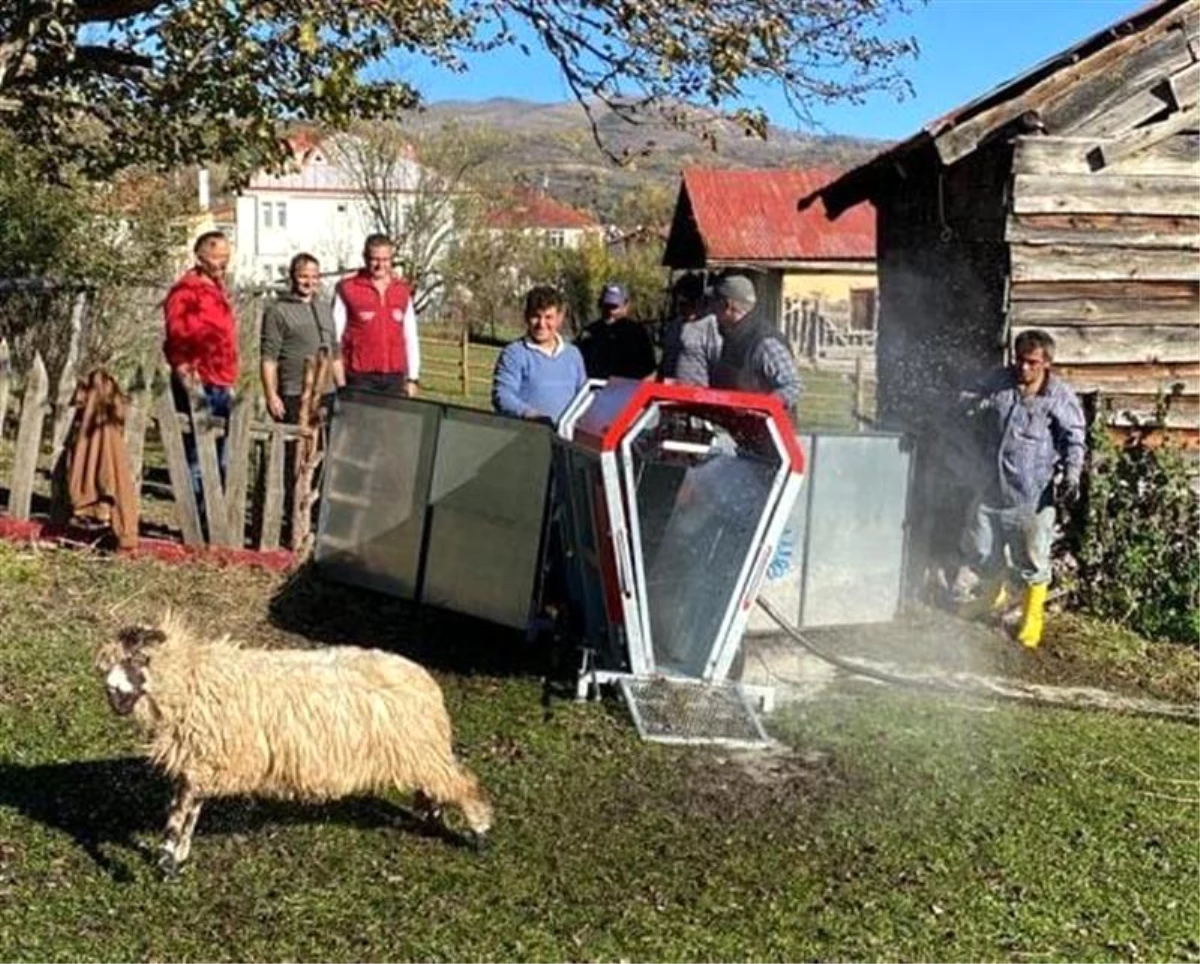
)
(318, 207)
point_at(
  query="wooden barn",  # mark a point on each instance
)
(1068, 199)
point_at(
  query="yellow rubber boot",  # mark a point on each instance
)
(1034, 617)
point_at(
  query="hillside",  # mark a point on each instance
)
(552, 145)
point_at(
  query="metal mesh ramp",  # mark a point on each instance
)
(683, 711)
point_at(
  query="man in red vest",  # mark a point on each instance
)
(373, 316)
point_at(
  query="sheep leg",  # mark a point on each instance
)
(181, 821)
(426, 807)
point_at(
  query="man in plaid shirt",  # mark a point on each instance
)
(753, 356)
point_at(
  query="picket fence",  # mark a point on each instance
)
(239, 511)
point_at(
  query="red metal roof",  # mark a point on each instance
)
(524, 208)
(751, 215)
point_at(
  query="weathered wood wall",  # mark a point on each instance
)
(1106, 257)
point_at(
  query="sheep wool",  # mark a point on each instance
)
(311, 725)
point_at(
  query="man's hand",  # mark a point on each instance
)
(275, 407)
(411, 388)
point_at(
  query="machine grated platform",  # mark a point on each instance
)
(668, 710)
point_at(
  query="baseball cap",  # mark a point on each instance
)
(613, 295)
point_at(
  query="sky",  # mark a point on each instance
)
(967, 48)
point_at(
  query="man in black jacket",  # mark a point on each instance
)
(616, 345)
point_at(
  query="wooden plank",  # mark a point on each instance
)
(136, 417)
(1181, 411)
(1131, 230)
(1165, 94)
(1074, 262)
(186, 514)
(1117, 311)
(1185, 87)
(29, 440)
(212, 488)
(273, 495)
(68, 380)
(1178, 156)
(1092, 82)
(1114, 344)
(1118, 194)
(1187, 439)
(1135, 141)
(1105, 290)
(1149, 379)
(237, 450)
(5, 382)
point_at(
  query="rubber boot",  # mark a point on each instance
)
(1033, 618)
(989, 601)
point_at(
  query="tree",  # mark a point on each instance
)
(420, 189)
(114, 82)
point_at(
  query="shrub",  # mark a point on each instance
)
(1135, 544)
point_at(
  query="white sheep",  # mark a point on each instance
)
(293, 724)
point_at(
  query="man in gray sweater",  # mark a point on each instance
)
(294, 327)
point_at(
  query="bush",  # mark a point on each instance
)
(1136, 544)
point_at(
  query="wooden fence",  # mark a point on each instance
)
(823, 339)
(243, 509)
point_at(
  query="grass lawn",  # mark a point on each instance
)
(892, 826)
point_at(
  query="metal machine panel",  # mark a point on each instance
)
(375, 492)
(487, 504)
(855, 537)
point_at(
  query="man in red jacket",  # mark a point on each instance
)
(201, 343)
(373, 316)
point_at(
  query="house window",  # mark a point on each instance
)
(281, 214)
(267, 211)
(556, 238)
(862, 309)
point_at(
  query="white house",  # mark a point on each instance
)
(318, 206)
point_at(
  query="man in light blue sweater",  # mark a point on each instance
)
(537, 376)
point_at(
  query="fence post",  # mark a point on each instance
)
(64, 411)
(29, 440)
(5, 379)
(237, 452)
(135, 426)
(860, 392)
(466, 369)
(177, 465)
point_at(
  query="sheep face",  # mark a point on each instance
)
(126, 680)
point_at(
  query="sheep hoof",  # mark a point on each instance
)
(168, 867)
(477, 841)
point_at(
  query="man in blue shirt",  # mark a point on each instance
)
(537, 376)
(1034, 424)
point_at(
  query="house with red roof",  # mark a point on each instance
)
(806, 265)
(535, 212)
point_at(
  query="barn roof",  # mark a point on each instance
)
(751, 216)
(1043, 98)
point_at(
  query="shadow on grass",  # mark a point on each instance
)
(330, 613)
(107, 805)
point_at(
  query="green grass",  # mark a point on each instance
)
(893, 826)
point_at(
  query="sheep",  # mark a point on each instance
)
(307, 725)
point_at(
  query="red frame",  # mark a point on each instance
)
(617, 405)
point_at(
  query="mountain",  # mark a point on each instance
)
(552, 145)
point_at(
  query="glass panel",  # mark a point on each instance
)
(374, 497)
(487, 503)
(700, 497)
